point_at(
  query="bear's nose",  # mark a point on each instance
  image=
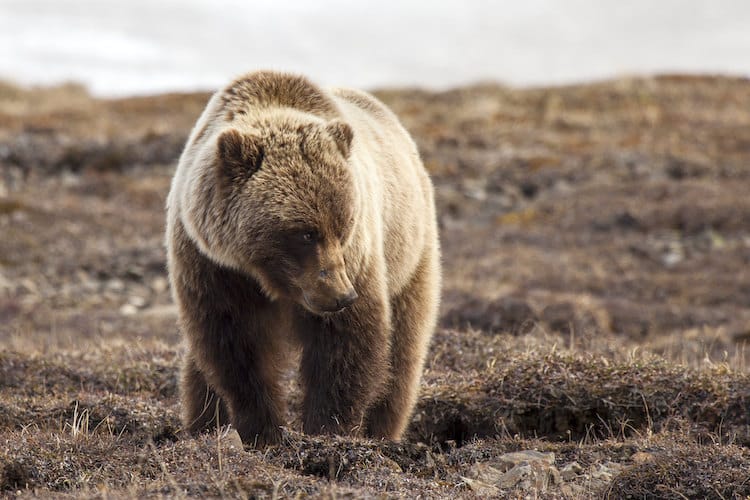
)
(347, 299)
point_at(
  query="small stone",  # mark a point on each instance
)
(605, 473)
(515, 475)
(553, 475)
(570, 471)
(510, 460)
(231, 439)
(128, 310)
(227, 439)
(475, 189)
(482, 490)
(521, 469)
(485, 473)
(115, 285)
(672, 258)
(159, 284)
(137, 301)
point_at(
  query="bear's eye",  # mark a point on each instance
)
(309, 236)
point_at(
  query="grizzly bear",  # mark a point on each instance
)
(301, 220)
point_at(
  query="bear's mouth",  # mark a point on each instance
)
(320, 311)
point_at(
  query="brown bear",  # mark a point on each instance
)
(302, 217)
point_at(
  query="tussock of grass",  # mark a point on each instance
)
(564, 396)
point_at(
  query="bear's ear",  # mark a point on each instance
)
(240, 154)
(342, 134)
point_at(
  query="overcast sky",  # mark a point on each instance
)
(143, 46)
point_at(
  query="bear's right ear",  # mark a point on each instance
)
(240, 155)
(342, 134)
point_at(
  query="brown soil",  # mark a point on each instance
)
(596, 303)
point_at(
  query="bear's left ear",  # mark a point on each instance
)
(342, 134)
(240, 155)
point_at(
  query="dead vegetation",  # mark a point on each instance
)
(596, 249)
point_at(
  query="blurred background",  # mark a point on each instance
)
(143, 46)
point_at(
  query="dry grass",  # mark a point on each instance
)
(596, 249)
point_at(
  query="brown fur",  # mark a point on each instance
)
(302, 216)
(265, 89)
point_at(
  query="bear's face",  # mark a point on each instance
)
(291, 204)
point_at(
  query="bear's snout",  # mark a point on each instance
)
(327, 304)
(326, 285)
(328, 300)
(348, 299)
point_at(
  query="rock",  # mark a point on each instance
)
(515, 476)
(510, 460)
(228, 440)
(554, 475)
(482, 490)
(604, 473)
(485, 473)
(672, 258)
(115, 285)
(128, 310)
(537, 475)
(521, 469)
(159, 284)
(231, 439)
(570, 471)
(137, 301)
(475, 189)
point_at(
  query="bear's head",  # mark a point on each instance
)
(289, 208)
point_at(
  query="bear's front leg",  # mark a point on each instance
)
(345, 365)
(241, 371)
(239, 363)
(231, 329)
